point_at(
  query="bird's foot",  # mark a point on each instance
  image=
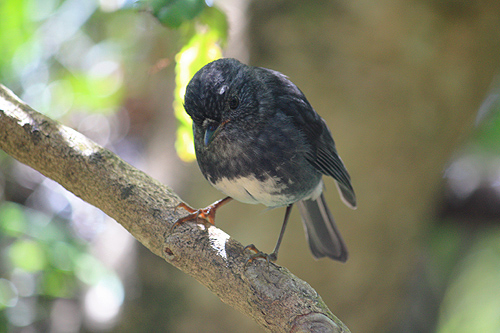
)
(205, 215)
(259, 254)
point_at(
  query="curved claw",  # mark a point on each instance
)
(259, 254)
(203, 215)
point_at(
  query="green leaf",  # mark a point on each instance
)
(204, 46)
(172, 13)
(216, 21)
(201, 49)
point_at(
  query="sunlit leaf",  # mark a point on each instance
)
(203, 47)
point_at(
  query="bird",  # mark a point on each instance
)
(258, 140)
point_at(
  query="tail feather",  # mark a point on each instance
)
(322, 234)
(347, 194)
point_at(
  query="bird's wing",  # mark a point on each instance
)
(322, 153)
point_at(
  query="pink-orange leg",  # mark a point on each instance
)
(202, 215)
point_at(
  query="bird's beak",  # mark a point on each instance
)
(211, 132)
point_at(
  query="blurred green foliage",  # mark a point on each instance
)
(204, 30)
(471, 302)
(45, 251)
(52, 62)
(15, 29)
(58, 63)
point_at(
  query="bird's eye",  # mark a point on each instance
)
(234, 101)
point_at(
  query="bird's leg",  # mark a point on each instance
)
(274, 255)
(202, 215)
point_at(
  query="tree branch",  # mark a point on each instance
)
(271, 295)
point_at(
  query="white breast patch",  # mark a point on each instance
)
(251, 190)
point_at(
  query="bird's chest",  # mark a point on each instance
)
(270, 191)
(266, 166)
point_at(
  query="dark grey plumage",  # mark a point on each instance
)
(258, 140)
